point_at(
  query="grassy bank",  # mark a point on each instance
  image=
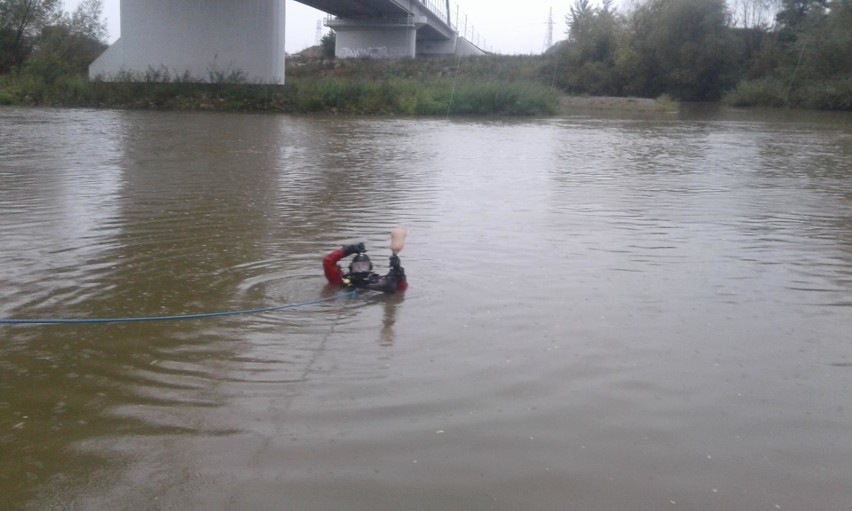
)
(473, 86)
(772, 92)
(428, 87)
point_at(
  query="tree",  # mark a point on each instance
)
(579, 19)
(752, 13)
(87, 20)
(821, 49)
(794, 13)
(328, 43)
(807, 61)
(587, 57)
(679, 47)
(635, 58)
(21, 24)
(70, 45)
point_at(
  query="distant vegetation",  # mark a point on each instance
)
(782, 53)
(39, 39)
(305, 92)
(707, 50)
(427, 86)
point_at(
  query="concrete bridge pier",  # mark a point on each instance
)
(400, 38)
(379, 38)
(202, 40)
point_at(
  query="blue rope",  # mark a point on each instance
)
(169, 318)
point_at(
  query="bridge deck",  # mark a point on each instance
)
(359, 8)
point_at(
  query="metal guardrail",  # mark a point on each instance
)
(457, 20)
(436, 10)
(333, 22)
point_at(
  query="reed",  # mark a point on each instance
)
(427, 87)
(405, 96)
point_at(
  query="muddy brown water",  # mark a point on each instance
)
(606, 312)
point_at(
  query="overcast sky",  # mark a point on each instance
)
(503, 27)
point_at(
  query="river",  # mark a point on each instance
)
(606, 312)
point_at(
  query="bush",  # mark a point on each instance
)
(760, 92)
(328, 44)
(503, 98)
(407, 96)
(827, 94)
(814, 94)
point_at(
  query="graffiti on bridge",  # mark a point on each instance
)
(380, 52)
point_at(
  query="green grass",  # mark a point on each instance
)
(406, 96)
(504, 86)
(771, 92)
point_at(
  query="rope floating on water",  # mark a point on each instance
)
(79, 321)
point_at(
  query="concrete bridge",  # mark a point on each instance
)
(220, 40)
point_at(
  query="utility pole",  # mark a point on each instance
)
(548, 38)
(318, 38)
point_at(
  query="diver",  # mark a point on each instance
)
(361, 275)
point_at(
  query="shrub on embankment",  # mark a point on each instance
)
(409, 97)
(812, 94)
(428, 87)
(424, 86)
(78, 91)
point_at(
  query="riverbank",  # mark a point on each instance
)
(498, 86)
(427, 87)
(393, 96)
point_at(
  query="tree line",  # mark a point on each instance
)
(708, 50)
(38, 37)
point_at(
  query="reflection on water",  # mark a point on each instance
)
(615, 312)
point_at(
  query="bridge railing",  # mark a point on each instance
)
(334, 22)
(465, 27)
(457, 20)
(437, 10)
